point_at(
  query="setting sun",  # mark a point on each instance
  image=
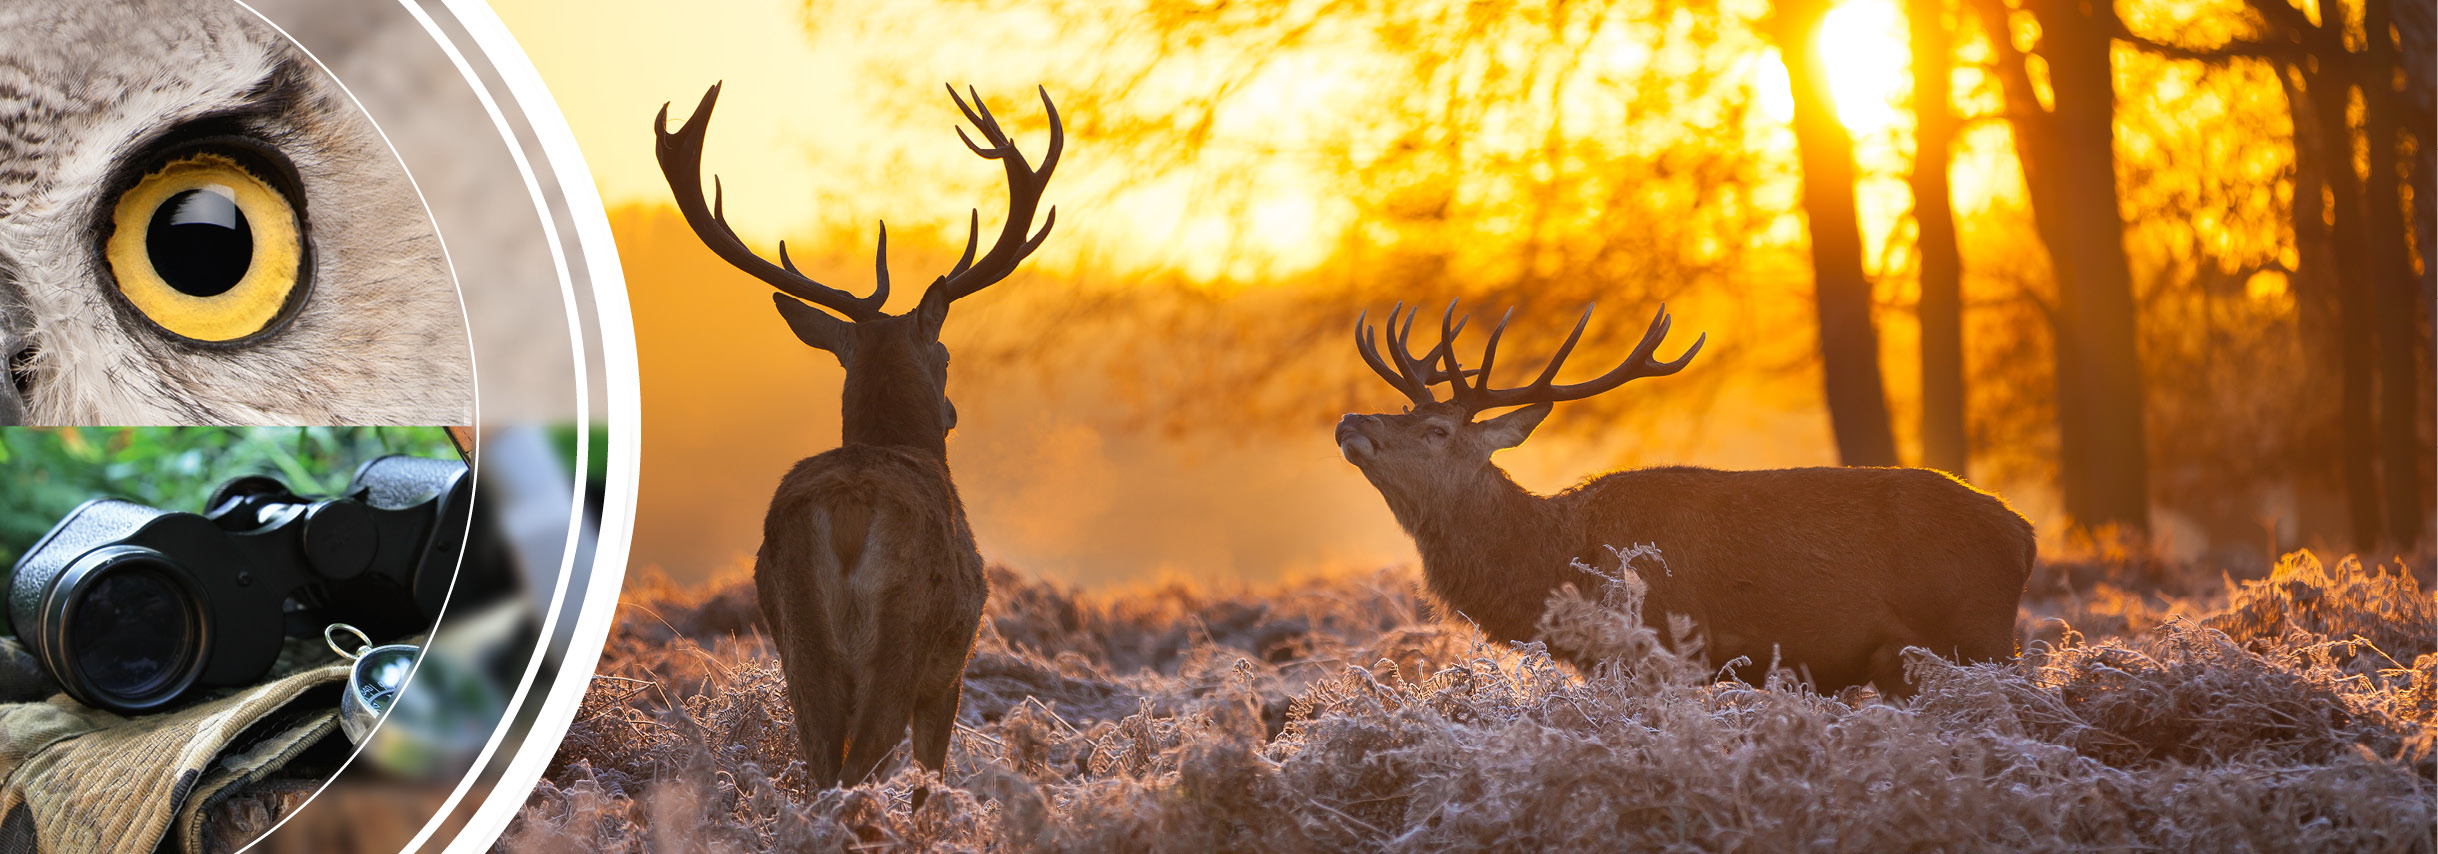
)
(1863, 42)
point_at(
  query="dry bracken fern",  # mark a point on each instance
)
(2292, 713)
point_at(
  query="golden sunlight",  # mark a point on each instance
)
(1865, 47)
(1863, 42)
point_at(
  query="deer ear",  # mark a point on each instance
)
(816, 327)
(932, 312)
(1509, 430)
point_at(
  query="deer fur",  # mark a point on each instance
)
(1830, 571)
(868, 577)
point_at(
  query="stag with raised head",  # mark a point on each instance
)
(868, 576)
(1831, 571)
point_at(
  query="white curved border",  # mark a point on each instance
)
(575, 331)
(474, 376)
(622, 413)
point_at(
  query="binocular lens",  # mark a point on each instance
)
(127, 606)
(133, 631)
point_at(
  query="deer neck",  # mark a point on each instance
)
(1483, 513)
(1490, 549)
(892, 408)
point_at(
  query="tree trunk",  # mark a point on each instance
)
(2357, 352)
(1942, 302)
(2316, 284)
(2417, 106)
(2036, 155)
(1849, 345)
(2417, 110)
(2392, 286)
(2421, 174)
(2069, 162)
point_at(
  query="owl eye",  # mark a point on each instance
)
(206, 247)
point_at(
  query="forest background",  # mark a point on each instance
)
(2157, 267)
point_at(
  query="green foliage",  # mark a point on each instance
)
(596, 467)
(46, 471)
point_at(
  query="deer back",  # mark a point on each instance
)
(1834, 560)
(863, 533)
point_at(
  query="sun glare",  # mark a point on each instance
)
(1863, 42)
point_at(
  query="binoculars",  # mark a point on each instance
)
(129, 606)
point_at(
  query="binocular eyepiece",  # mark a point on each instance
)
(128, 606)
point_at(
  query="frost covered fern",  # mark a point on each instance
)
(2293, 713)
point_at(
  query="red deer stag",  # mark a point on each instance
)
(1836, 569)
(867, 574)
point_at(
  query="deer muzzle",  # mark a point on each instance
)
(1352, 444)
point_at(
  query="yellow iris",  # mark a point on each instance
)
(146, 271)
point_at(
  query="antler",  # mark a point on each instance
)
(681, 162)
(1479, 396)
(1413, 375)
(1024, 185)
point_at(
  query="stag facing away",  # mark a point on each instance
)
(1830, 571)
(868, 576)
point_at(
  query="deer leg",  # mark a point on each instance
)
(818, 688)
(884, 701)
(935, 705)
(935, 718)
(824, 702)
(879, 724)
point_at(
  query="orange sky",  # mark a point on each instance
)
(815, 146)
(819, 134)
(820, 122)
(807, 133)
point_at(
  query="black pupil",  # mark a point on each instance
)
(131, 633)
(199, 242)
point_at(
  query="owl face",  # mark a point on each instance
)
(197, 226)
